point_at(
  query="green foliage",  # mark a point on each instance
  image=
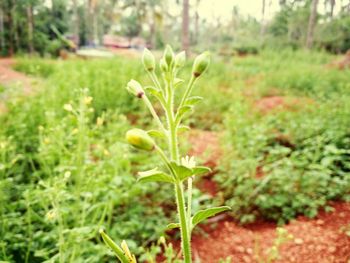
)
(65, 171)
(288, 162)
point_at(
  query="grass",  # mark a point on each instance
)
(64, 174)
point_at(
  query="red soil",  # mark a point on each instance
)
(8, 76)
(319, 240)
(268, 104)
(205, 146)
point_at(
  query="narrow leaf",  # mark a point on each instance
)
(183, 128)
(156, 93)
(116, 249)
(173, 225)
(178, 82)
(193, 100)
(156, 134)
(204, 214)
(154, 176)
(182, 111)
(200, 170)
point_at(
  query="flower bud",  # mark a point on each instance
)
(140, 139)
(180, 59)
(163, 65)
(200, 64)
(168, 55)
(135, 88)
(148, 60)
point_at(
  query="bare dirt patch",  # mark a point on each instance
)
(206, 146)
(319, 240)
(10, 78)
(343, 63)
(269, 104)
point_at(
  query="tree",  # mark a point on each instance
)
(312, 24)
(185, 27)
(30, 24)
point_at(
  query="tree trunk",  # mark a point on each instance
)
(15, 26)
(262, 29)
(30, 24)
(76, 23)
(196, 23)
(185, 24)
(312, 24)
(332, 4)
(2, 31)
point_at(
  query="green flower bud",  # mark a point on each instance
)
(168, 55)
(163, 65)
(180, 59)
(135, 88)
(140, 139)
(200, 64)
(148, 60)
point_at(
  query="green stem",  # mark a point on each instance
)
(153, 112)
(179, 192)
(189, 204)
(188, 91)
(185, 237)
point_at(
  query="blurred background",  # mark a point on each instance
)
(46, 26)
(273, 125)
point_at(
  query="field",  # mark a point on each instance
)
(274, 128)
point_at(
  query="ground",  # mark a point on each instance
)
(10, 77)
(319, 240)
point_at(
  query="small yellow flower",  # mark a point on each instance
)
(67, 174)
(51, 215)
(88, 100)
(99, 121)
(68, 107)
(75, 131)
(47, 141)
(2, 145)
(106, 152)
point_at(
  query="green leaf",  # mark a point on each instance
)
(200, 170)
(156, 93)
(183, 128)
(117, 250)
(154, 176)
(156, 134)
(193, 100)
(178, 82)
(181, 171)
(173, 225)
(182, 111)
(204, 214)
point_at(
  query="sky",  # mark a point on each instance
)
(223, 8)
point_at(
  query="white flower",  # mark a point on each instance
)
(189, 162)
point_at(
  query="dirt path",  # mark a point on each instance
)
(319, 240)
(11, 78)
